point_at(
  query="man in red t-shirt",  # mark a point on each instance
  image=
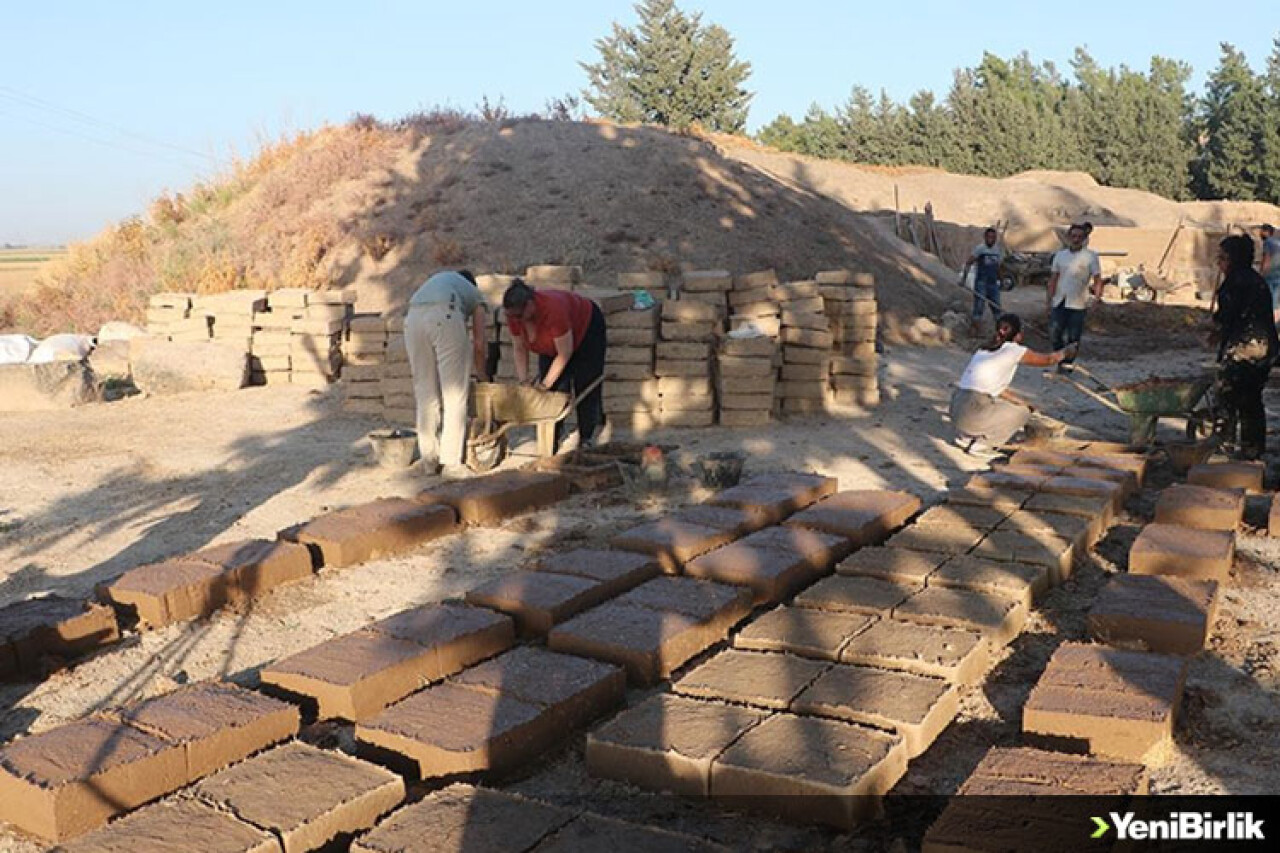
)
(567, 331)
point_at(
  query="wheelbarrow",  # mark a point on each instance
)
(1147, 401)
(500, 407)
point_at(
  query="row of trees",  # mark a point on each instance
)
(1126, 128)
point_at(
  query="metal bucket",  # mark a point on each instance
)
(394, 448)
(722, 469)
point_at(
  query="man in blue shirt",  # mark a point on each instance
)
(986, 278)
(1270, 267)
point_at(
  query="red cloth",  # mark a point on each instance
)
(558, 311)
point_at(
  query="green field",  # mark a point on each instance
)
(20, 267)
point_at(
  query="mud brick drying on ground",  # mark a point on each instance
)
(673, 543)
(773, 563)
(538, 600)
(762, 679)
(809, 769)
(1228, 475)
(960, 657)
(378, 529)
(1160, 614)
(777, 496)
(68, 780)
(1171, 549)
(1108, 702)
(803, 631)
(356, 675)
(304, 795)
(946, 539)
(617, 571)
(899, 565)
(177, 826)
(1203, 507)
(998, 618)
(1082, 531)
(855, 594)
(495, 716)
(492, 499)
(656, 627)
(863, 517)
(979, 820)
(1021, 582)
(983, 519)
(735, 520)
(462, 817)
(1057, 554)
(50, 630)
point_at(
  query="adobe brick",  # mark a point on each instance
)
(176, 826)
(1228, 475)
(305, 795)
(1080, 531)
(65, 781)
(818, 634)
(898, 565)
(734, 520)
(648, 643)
(1171, 549)
(37, 629)
(258, 565)
(1202, 507)
(668, 742)
(459, 634)
(778, 495)
(538, 600)
(1036, 548)
(957, 656)
(999, 619)
(981, 518)
(1099, 507)
(1061, 772)
(672, 543)
(948, 539)
(216, 723)
(987, 496)
(1022, 582)
(571, 690)
(378, 529)
(1160, 614)
(171, 591)
(855, 594)
(762, 679)
(616, 571)
(1085, 487)
(917, 707)
(864, 517)
(809, 769)
(719, 605)
(770, 573)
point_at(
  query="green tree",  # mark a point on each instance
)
(1232, 128)
(819, 135)
(669, 70)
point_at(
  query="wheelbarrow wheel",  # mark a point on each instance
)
(1200, 424)
(485, 455)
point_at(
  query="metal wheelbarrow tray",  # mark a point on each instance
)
(498, 407)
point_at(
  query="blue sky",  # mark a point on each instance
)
(103, 105)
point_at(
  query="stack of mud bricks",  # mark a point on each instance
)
(752, 304)
(690, 327)
(231, 316)
(746, 379)
(849, 300)
(270, 352)
(397, 379)
(364, 360)
(169, 316)
(631, 400)
(315, 344)
(806, 348)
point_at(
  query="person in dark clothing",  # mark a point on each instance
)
(567, 331)
(1245, 331)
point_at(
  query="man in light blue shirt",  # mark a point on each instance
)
(435, 336)
(986, 278)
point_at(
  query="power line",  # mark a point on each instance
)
(81, 135)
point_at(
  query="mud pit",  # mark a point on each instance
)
(91, 493)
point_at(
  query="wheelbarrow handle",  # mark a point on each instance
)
(1115, 407)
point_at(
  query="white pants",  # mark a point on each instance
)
(440, 358)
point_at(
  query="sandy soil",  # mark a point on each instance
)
(88, 493)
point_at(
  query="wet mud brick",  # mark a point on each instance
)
(573, 690)
(736, 520)
(356, 675)
(1177, 551)
(538, 600)
(668, 742)
(960, 657)
(773, 562)
(981, 518)
(1060, 772)
(809, 633)
(493, 499)
(864, 517)
(1042, 548)
(377, 529)
(777, 495)
(52, 626)
(589, 833)
(720, 605)
(648, 643)
(1159, 614)
(171, 591)
(1132, 464)
(917, 707)
(68, 780)
(988, 496)
(673, 543)
(176, 826)
(1202, 507)
(1021, 582)
(616, 571)
(1079, 530)
(1085, 487)
(216, 723)
(1228, 475)
(948, 539)
(998, 618)
(1097, 507)
(810, 769)
(855, 594)
(1007, 481)
(1110, 702)
(306, 795)
(898, 565)
(464, 818)
(258, 565)
(762, 679)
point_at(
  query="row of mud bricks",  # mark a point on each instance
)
(1102, 713)
(41, 634)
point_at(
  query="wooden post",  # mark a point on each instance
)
(897, 214)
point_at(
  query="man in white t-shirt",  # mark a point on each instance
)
(1074, 275)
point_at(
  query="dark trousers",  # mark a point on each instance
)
(986, 294)
(585, 366)
(1240, 385)
(1066, 327)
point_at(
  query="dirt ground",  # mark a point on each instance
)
(88, 493)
